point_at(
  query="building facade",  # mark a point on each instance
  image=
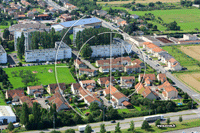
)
(3, 55)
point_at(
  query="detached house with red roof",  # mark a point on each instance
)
(35, 90)
(146, 92)
(148, 79)
(102, 81)
(138, 62)
(88, 72)
(51, 89)
(127, 82)
(61, 103)
(174, 65)
(117, 98)
(89, 97)
(27, 100)
(75, 87)
(168, 91)
(162, 77)
(88, 84)
(14, 94)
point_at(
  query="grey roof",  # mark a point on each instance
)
(80, 22)
(2, 50)
(28, 26)
(166, 55)
(137, 39)
(151, 38)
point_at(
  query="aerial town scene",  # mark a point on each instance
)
(100, 66)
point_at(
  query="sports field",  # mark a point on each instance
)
(192, 51)
(191, 79)
(45, 77)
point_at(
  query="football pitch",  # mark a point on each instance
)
(43, 73)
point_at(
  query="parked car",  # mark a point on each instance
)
(9, 102)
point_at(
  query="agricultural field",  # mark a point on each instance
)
(185, 60)
(44, 76)
(137, 1)
(191, 79)
(192, 51)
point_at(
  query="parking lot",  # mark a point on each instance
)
(42, 102)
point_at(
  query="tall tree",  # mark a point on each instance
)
(117, 128)
(168, 121)
(6, 34)
(145, 125)
(132, 127)
(180, 119)
(88, 129)
(103, 129)
(36, 113)
(24, 117)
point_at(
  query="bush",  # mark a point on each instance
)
(10, 126)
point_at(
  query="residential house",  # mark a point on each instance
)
(65, 17)
(79, 64)
(138, 62)
(127, 82)
(103, 80)
(137, 40)
(174, 65)
(135, 68)
(168, 91)
(88, 84)
(149, 94)
(117, 98)
(162, 77)
(61, 103)
(35, 90)
(53, 87)
(100, 13)
(88, 97)
(27, 100)
(114, 68)
(122, 23)
(88, 72)
(117, 61)
(134, 16)
(148, 79)
(122, 14)
(164, 57)
(30, 14)
(75, 87)
(14, 94)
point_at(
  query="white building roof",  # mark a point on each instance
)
(6, 111)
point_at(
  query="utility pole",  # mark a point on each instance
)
(192, 104)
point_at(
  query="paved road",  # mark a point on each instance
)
(188, 114)
(55, 5)
(84, 61)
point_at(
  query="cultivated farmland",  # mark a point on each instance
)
(45, 77)
(191, 79)
(192, 51)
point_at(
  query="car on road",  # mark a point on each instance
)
(120, 31)
(113, 121)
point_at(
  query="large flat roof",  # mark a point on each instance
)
(80, 22)
(6, 111)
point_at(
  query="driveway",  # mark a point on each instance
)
(42, 102)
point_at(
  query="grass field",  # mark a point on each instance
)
(185, 124)
(183, 58)
(45, 78)
(192, 51)
(137, 1)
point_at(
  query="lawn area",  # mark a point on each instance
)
(45, 78)
(185, 124)
(71, 37)
(185, 60)
(2, 102)
(123, 110)
(6, 26)
(137, 107)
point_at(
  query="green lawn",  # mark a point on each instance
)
(187, 19)
(185, 60)
(123, 110)
(45, 78)
(137, 107)
(2, 102)
(71, 37)
(185, 124)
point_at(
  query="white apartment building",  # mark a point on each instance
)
(51, 54)
(119, 47)
(26, 28)
(3, 55)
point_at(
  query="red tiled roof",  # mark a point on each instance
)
(126, 103)
(88, 81)
(35, 87)
(18, 92)
(87, 70)
(118, 95)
